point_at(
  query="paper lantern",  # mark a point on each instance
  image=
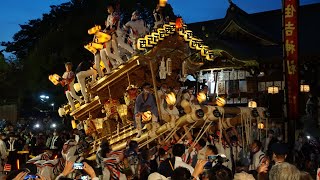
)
(171, 98)
(273, 90)
(61, 112)
(101, 37)
(304, 88)
(74, 124)
(146, 116)
(54, 79)
(96, 46)
(77, 87)
(169, 66)
(220, 101)
(201, 97)
(179, 23)
(252, 104)
(94, 30)
(260, 125)
(90, 48)
(162, 3)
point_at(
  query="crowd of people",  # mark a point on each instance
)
(178, 158)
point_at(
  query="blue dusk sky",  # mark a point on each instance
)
(15, 12)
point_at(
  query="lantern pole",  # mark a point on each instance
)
(154, 83)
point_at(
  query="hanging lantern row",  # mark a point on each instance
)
(149, 41)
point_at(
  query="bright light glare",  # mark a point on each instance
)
(42, 96)
(47, 97)
(52, 104)
(37, 125)
(54, 125)
(308, 137)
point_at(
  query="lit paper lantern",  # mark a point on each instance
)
(260, 125)
(273, 90)
(94, 30)
(90, 48)
(220, 101)
(304, 88)
(77, 87)
(163, 3)
(97, 46)
(54, 79)
(171, 98)
(61, 112)
(252, 104)
(179, 23)
(101, 37)
(146, 116)
(201, 97)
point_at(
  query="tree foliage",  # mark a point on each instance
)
(43, 45)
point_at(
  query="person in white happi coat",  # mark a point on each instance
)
(161, 93)
(83, 71)
(188, 95)
(137, 28)
(3, 151)
(111, 28)
(258, 157)
(68, 81)
(158, 17)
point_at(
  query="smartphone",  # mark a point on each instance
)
(78, 166)
(31, 176)
(84, 177)
(212, 158)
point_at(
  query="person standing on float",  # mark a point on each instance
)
(111, 28)
(68, 81)
(137, 28)
(145, 102)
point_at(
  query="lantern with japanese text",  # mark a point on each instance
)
(252, 104)
(201, 97)
(220, 101)
(94, 30)
(90, 48)
(260, 125)
(54, 79)
(171, 98)
(146, 116)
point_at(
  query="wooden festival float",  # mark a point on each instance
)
(174, 50)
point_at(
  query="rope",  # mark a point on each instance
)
(188, 130)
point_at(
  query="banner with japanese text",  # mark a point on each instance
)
(290, 18)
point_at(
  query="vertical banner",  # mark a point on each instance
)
(290, 33)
